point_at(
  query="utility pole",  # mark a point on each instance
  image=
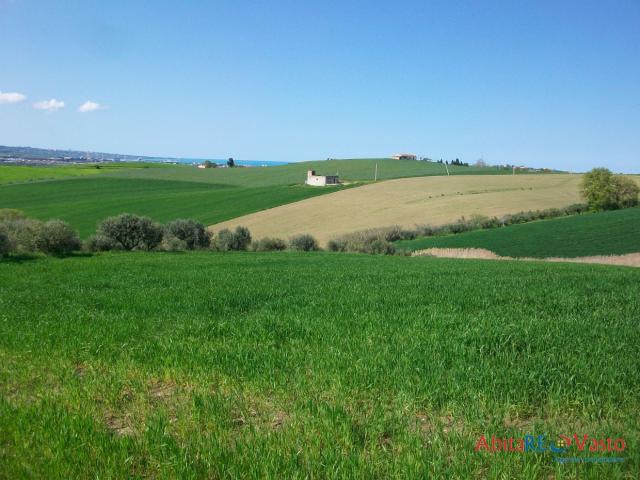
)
(447, 167)
(375, 177)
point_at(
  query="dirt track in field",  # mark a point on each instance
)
(627, 260)
(411, 201)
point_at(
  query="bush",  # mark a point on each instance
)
(22, 233)
(7, 214)
(576, 208)
(268, 244)
(6, 244)
(227, 240)
(58, 238)
(373, 240)
(192, 233)
(171, 243)
(242, 238)
(427, 230)
(381, 247)
(223, 240)
(303, 242)
(604, 191)
(131, 232)
(337, 245)
(100, 243)
(626, 192)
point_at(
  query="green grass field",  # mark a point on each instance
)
(358, 169)
(604, 233)
(84, 202)
(289, 365)
(165, 192)
(24, 174)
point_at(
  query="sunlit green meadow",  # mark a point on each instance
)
(285, 365)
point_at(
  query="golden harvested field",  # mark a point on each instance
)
(410, 201)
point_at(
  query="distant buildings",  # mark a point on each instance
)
(321, 180)
(404, 156)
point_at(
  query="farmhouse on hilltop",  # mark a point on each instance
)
(320, 180)
(404, 156)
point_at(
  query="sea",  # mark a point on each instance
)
(219, 161)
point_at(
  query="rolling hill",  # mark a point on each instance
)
(10, 174)
(84, 202)
(603, 233)
(165, 192)
(410, 201)
(358, 169)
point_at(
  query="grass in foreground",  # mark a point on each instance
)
(604, 233)
(311, 365)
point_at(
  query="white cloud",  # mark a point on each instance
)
(11, 97)
(49, 105)
(89, 106)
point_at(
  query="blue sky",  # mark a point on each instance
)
(539, 83)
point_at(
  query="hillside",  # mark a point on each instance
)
(358, 169)
(310, 365)
(406, 202)
(84, 202)
(10, 174)
(604, 233)
(165, 192)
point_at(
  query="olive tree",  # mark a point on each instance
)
(227, 240)
(131, 232)
(58, 238)
(192, 233)
(604, 191)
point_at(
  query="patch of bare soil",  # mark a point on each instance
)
(118, 424)
(628, 260)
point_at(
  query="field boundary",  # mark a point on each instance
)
(626, 260)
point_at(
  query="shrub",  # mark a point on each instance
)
(224, 240)
(604, 191)
(192, 233)
(100, 243)
(626, 192)
(227, 240)
(7, 214)
(268, 244)
(6, 244)
(303, 242)
(57, 237)
(242, 238)
(22, 233)
(171, 243)
(374, 241)
(380, 247)
(131, 232)
(337, 245)
(427, 230)
(576, 208)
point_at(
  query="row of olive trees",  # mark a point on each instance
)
(19, 234)
(131, 232)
